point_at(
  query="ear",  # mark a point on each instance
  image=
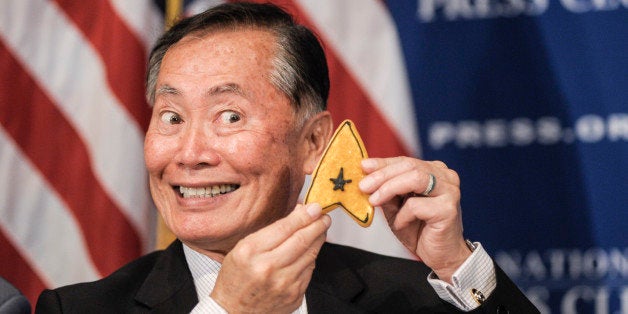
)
(317, 134)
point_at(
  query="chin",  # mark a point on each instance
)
(209, 234)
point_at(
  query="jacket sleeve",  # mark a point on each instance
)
(48, 302)
(506, 298)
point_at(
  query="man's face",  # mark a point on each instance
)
(222, 149)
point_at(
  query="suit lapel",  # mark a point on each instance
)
(169, 288)
(334, 285)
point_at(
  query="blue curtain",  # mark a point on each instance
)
(528, 101)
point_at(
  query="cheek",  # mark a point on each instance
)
(281, 198)
(260, 153)
(156, 154)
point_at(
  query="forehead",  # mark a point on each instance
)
(234, 62)
(245, 46)
(202, 60)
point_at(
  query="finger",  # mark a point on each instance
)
(291, 272)
(414, 181)
(291, 283)
(383, 169)
(434, 212)
(304, 269)
(279, 231)
(303, 246)
(298, 274)
(422, 208)
(372, 164)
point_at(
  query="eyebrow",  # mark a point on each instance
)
(167, 89)
(226, 88)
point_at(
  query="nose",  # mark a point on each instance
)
(197, 148)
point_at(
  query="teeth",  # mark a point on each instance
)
(209, 191)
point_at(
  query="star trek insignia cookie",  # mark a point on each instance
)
(335, 179)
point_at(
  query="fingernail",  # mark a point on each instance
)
(314, 210)
(327, 220)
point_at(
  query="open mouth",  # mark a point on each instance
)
(210, 191)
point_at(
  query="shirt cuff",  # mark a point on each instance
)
(206, 306)
(472, 283)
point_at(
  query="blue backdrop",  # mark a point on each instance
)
(527, 100)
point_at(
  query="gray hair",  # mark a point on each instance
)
(299, 66)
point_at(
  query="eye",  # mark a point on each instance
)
(230, 117)
(170, 117)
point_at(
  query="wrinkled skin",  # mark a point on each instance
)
(430, 227)
(218, 122)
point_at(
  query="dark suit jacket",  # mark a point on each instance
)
(11, 300)
(345, 280)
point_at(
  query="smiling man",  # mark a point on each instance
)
(219, 124)
(239, 118)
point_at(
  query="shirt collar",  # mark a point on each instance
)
(204, 271)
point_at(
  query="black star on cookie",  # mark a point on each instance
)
(339, 182)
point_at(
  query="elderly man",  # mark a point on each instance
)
(239, 118)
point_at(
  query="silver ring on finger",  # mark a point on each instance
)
(430, 185)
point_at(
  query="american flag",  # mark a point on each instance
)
(74, 202)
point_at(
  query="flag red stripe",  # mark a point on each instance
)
(20, 274)
(347, 100)
(56, 149)
(122, 52)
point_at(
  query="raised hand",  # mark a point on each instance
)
(269, 270)
(421, 202)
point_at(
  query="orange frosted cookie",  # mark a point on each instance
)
(335, 179)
